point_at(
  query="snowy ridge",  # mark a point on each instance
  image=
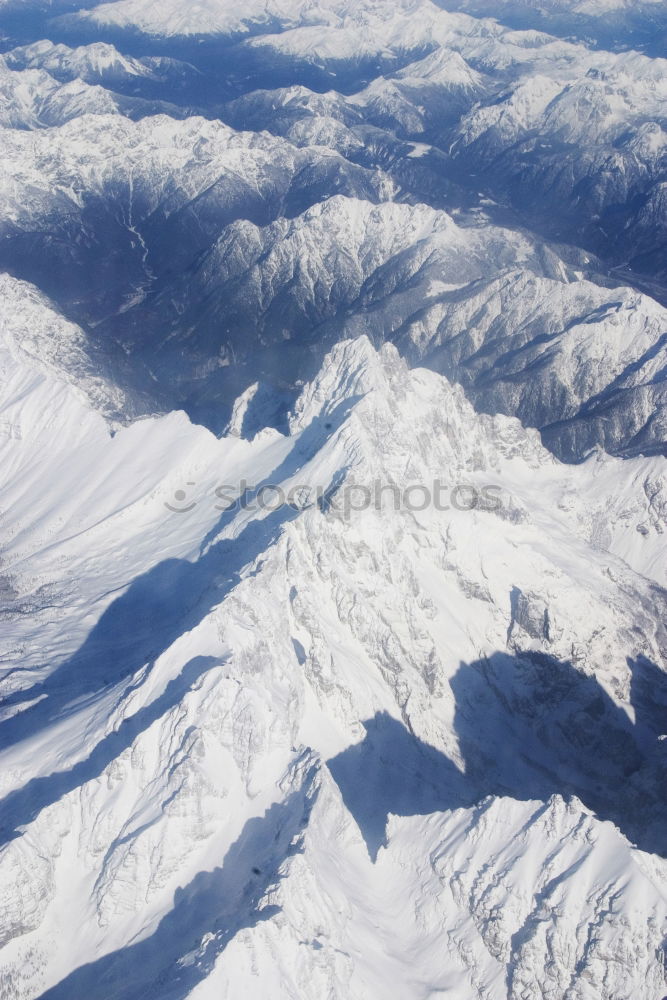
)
(482, 304)
(409, 274)
(33, 99)
(541, 92)
(217, 16)
(35, 338)
(99, 62)
(295, 633)
(160, 160)
(335, 144)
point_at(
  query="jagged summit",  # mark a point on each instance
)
(303, 624)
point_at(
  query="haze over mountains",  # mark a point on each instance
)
(337, 748)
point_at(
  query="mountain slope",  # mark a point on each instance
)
(358, 634)
(516, 326)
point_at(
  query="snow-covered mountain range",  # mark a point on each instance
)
(333, 500)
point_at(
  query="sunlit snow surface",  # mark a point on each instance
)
(332, 748)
